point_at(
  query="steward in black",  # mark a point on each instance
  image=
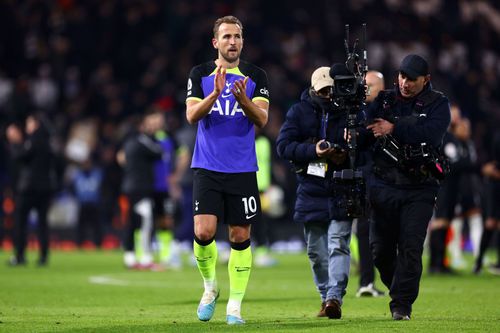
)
(408, 123)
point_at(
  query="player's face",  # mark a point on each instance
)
(229, 42)
(410, 88)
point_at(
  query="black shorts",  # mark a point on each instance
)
(162, 204)
(470, 192)
(447, 199)
(232, 197)
(492, 198)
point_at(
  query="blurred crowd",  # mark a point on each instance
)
(93, 67)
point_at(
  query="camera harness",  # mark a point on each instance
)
(414, 164)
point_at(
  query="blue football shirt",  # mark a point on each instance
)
(225, 141)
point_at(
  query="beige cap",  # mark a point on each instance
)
(321, 78)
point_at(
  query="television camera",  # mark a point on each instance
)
(348, 96)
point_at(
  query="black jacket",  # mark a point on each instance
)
(35, 162)
(422, 119)
(297, 143)
(141, 152)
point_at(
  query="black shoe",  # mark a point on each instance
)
(42, 262)
(332, 309)
(15, 261)
(398, 315)
(441, 270)
(477, 268)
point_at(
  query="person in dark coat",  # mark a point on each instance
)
(405, 121)
(36, 181)
(309, 124)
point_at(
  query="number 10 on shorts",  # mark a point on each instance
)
(250, 204)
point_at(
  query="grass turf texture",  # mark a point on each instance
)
(92, 292)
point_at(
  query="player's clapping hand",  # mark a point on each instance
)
(219, 79)
(239, 89)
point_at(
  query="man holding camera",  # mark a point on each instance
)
(312, 138)
(407, 125)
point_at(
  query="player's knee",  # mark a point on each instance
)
(204, 234)
(239, 234)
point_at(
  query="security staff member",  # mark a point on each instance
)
(402, 194)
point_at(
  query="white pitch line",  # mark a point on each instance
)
(108, 281)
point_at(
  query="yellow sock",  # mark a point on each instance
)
(139, 251)
(206, 260)
(239, 268)
(165, 238)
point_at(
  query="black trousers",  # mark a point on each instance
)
(398, 230)
(89, 218)
(38, 200)
(366, 267)
(135, 220)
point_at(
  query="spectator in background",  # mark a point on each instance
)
(3, 186)
(164, 205)
(36, 182)
(261, 231)
(459, 193)
(86, 186)
(491, 171)
(181, 182)
(469, 208)
(138, 157)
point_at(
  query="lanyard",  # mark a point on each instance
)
(324, 125)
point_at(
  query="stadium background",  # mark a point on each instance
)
(94, 66)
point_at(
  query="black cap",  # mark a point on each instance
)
(414, 66)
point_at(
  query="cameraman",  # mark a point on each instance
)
(403, 192)
(309, 123)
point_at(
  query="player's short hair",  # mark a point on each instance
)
(226, 19)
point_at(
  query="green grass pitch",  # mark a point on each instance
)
(92, 292)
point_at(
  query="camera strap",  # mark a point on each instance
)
(324, 125)
(319, 168)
